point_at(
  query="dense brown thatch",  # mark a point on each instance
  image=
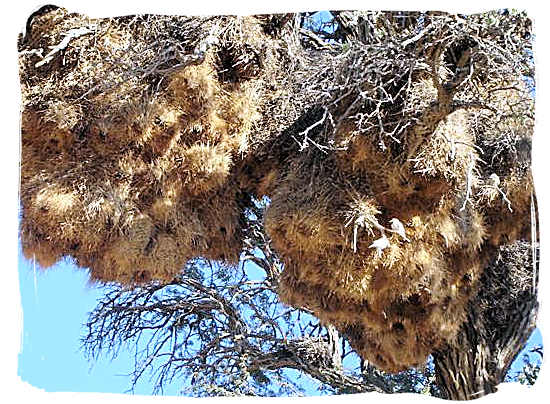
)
(144, 138)
(130, 134)
(455, 176)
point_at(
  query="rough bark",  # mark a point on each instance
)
(496, 330)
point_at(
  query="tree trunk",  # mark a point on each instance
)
(495, 331)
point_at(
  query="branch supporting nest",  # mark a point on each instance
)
(307, 140)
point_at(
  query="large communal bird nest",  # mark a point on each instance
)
(396, 164)
(130, 131)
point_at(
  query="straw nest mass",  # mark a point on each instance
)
(395, 167)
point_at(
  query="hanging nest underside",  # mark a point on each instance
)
(396, 295)
(145, 138)
(387, 240)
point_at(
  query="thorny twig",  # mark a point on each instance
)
(469, 174)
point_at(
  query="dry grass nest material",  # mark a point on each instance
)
(131, 131)
(144, 138)
(397, 295)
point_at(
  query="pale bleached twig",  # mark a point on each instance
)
(69, 36)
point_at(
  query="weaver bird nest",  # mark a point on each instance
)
(396, 164)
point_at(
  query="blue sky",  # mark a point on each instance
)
(56, 303)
